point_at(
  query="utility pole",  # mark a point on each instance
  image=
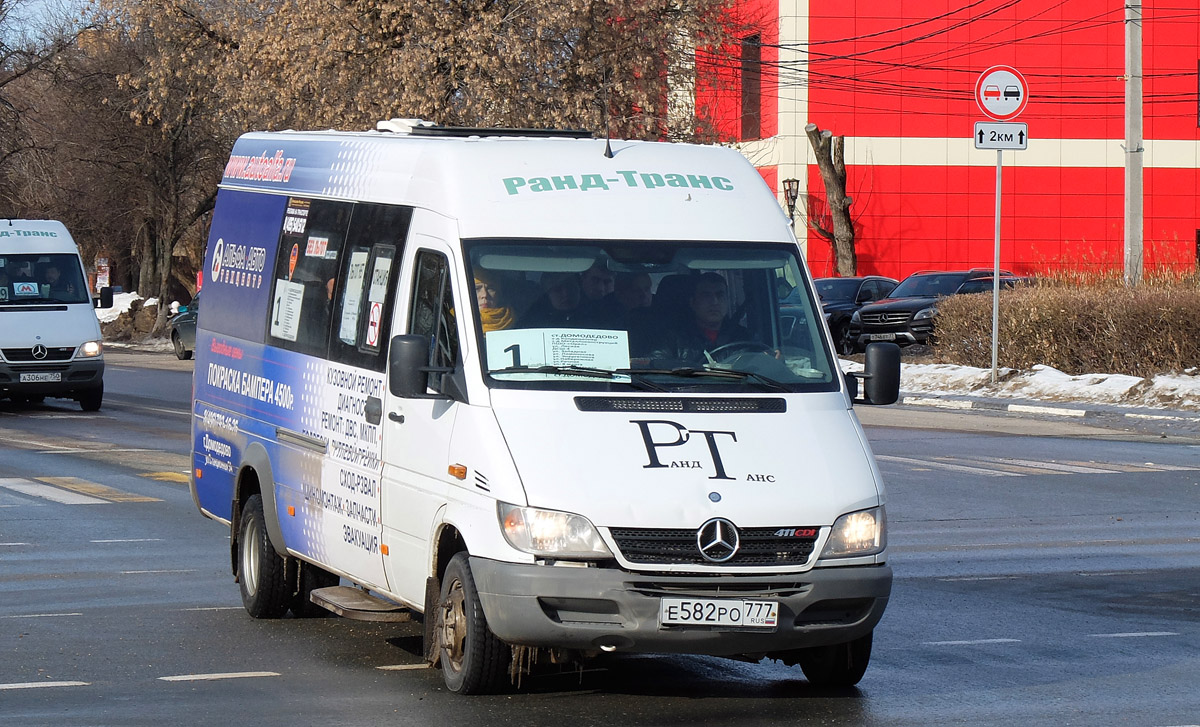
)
(1133, 143)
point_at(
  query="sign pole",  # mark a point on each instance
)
(996, 270)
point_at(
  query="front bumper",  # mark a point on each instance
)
(74, 377)
(595, 608)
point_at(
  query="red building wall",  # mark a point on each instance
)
(904, 70)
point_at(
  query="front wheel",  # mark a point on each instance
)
(837, 665)
(261, 574)
(473, 660)
(181, 351)
(91, 399)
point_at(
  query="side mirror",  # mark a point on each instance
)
(409, 369)
(880, 375)
(407, 355)
(106, 298)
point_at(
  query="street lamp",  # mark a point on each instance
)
(791, 192)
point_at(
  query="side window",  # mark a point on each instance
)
(433, 311)
(306, 271)
(366, 286)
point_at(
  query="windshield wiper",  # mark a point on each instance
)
(635, 376)
(691, 371)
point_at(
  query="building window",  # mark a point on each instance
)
(751, 87)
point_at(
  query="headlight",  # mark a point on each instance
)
(857, 533)
(925, 313)
(550, 534)
(91, 349)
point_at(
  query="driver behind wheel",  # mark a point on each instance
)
(709, 327)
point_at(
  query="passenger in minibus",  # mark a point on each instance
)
(488, 295)
(559, 304)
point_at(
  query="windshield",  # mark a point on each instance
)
(649, 315)
(45, 278)
(839, 290)
(928, 286)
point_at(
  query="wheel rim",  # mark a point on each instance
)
(454, 626)
(250, 556)
(178, 345)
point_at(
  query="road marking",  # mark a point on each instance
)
(946, 466)
(1134, 635)
(42, 615)
(975, 642)
(215, 677)
(214, 608)
(180, 477)
(101, 491)
(130, 540)
(402, 667)
(1052, 466)
(979, 578)
(939, 403)
(41, 685)
(142, 572)
(46, 492)
(11, 544)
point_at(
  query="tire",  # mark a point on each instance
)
(91, 399)
(838, 665)
(260, 571)
(181, 353)
(473, 660)
(310, 579)
(841, 340)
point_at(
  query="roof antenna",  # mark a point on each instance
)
(608, 152)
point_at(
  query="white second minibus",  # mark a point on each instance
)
(547, 394)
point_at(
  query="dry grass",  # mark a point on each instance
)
(1079, 324)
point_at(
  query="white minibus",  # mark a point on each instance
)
(49, 336)
(540, 392)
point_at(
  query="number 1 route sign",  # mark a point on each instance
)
(1001, 92)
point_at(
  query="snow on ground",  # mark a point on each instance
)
(121, 303)
(1044, 383)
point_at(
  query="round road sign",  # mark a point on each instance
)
(1001, 92)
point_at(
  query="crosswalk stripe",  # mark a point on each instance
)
(91, 488)
(946, 466)
(180, 477)
(46, 492)
(1078, 469)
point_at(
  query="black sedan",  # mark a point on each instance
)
(182, 328)
(906, 315)
(841, 297)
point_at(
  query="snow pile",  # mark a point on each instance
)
(121, 304)
(1178, 391)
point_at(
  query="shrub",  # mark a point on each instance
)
(1078, 326)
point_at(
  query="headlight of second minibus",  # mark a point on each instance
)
(550, 534)
(857, 533)
(91, 349)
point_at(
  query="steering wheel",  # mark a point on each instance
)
(735, 347)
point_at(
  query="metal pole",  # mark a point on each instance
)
(996, 272)
(1133, 144)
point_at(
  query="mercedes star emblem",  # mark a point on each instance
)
(717, 540)
(39, 352)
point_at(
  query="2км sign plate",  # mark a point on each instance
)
(1001, 135)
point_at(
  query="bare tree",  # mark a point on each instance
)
(832, 165)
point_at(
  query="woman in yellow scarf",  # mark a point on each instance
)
(487, 297)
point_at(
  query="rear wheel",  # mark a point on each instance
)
(473, 660)
(838, 665)
(260, 569)
(91, 399)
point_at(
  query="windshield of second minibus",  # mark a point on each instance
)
(652, 315)
(44, 278)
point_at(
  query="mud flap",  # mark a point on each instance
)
(431, 647)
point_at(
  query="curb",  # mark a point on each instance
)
(959, 403)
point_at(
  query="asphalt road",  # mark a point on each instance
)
(1047, 572)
